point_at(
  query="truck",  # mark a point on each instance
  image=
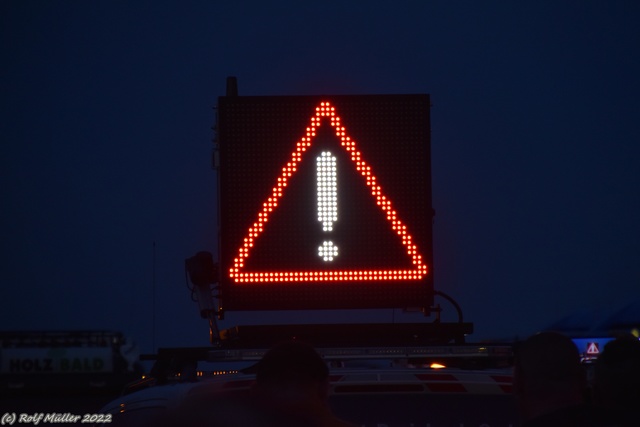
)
(66, 362)
(325, 203)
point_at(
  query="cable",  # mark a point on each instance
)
(453, 302)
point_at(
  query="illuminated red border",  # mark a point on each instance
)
(325, 110)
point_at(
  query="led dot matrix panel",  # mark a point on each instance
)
(325, 202)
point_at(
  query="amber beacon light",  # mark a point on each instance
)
(325, 202)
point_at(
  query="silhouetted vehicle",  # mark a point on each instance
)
(419, 386)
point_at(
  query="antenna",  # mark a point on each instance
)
(232, 86)
(153, 300)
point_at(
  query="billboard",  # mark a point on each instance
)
(325, 202)
(56, 360)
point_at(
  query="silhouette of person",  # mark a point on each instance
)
(550, 383)
(616, 383)
(291, 390)
(292, 381)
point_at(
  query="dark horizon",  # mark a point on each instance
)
(107, 110)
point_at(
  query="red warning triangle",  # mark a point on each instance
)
(592, 348)
(238, 273)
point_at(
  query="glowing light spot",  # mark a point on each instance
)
(327, 190)
(327, 251)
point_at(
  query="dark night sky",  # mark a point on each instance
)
(106, 116)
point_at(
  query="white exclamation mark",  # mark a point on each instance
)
(327, 201)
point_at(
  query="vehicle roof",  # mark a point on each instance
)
(343, 381)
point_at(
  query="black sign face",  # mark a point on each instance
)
(325, 202)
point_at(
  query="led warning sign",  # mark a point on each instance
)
(593, 348)
(325, 202)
